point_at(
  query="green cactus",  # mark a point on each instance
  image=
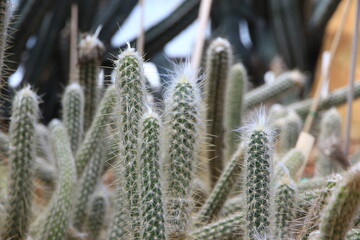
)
(233, 205)
(58, 216)
(353, 234)
(130, 86)
(73, 114)
(222, 188)
(152, 212)
(96, 133)
(290, 164)
(335, 98)
(91, 50)
(235, 91)
(224, 229)
(119, 228)
(5, 10)
(289, 132)
(285, 208)
(182, 114)
(286, 82)
(277, 111)
(258, 165)
(21, 165)
(4, 145)
(312, 184)
(343, 206)
(43, 146)
(329, 141)
(218, 63)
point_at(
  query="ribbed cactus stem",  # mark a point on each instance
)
(182, 114)
(21, 165)
(119, 228)
(258, 165)
(234, 95)
(4, 145)
(353, 234)
(329, 142)
(58, 217)
(4, 23)
(91, 50)
(285, 83)
(224, 185)
(223, 229)
(130, 86)
(290, 165)
(289, 132)
(87, 184)
(96, 133)
(96, 215)
(343, 206)
(284, 209)
(233, 205)
(218, 62)
(335, 98)
(43, 145)
(73, 114)
(152, 212)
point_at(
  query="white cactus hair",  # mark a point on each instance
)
(90, 47)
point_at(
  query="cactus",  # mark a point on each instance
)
(290, 164)
(152, 212)
(285, 209)
(4, 23)
(222, 188)
(130, 86)
(289, 132)
(96, 133)
(232, 205)
(4, 145)
(58, 217)
(73, 114)
(43, 145)
(91, 50)
(258, 165)
(235, 91)
(353, 234)
(227, 228)
(329, 141)
(218, 62)
(343, 206)
(21, 161)
(285, 83)
(182, 114)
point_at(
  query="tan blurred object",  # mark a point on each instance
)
(340, 69)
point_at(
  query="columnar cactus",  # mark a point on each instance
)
(43, 146)
(130, 86)
(285, 208)
(218, 62)
(235, 91)
(289, 132)
(329, 143)
(4, 23)
(227, 228)
(21, 161)
(222, 188)
(58, 216)
(96, 133)
(233, 205)
(91, 50)
(182, 114)
(343, 206)
(258, 165)
(284, 83)
(73, 114)
(152, 212)
(290, 164)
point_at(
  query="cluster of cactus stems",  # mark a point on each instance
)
(117, 167)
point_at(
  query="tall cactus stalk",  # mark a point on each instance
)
(58, 217)
(130, 86)
(91, 50)
(258, 164)
(218, 62)
(152, 212)
(21, 161)
(4, 23)
(235, 91)
(182, 114)
(73, 114)
(289, 132)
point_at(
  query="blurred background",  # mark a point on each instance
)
(269, 37)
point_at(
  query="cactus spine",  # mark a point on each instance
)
(218, 62)
(96, 133)
(57, 220)
(130, 85)
(73, 114)
(91, 50)
(343, 206)
(235, 91)
(222, 188)
(258, 176)
(152, 213)
(182, 114)
(21, 161)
